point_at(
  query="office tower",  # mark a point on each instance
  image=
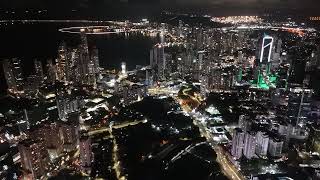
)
(244, 123)
(32, 85)
(275, 147)
(68, 102)
(96, 63)
(53, 140)
(299, 105)
(39, 70)
(249, 144)
(85, 153)
(123, 68)
(264, 78)
(31, 158)
(93, 68)
(84, 43)
(262, 139)
(149, 78)
(62, 104)
(51, 72)
(266, 49)
(237, 143)
(204, 86)
(13, 74)
(158, 61)
(199, 38)
(61, 62)
(70, 134)
(202, 60)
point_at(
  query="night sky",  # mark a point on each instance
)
(147, 6)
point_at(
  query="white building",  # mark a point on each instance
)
(275, 147)
(249, 145)
(262, 139)
(85, 153)
(237, 143)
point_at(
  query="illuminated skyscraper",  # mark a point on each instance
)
(31, 158)
(123, 68)
(202, 58)
(266, 49)
(244, 123)
(299, 105)
(85, 153)
(249, 144)
(237, 143)
(53, 139)
(62, 62)
(95, 62)
(13, 74)
(262, 140)
(51, 72)
(275, 147)
(67, 103)
(39, 70)
(264, 78)
(158, 61)
(70, 134)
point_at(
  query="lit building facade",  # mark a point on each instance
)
(237, 143)
(31, 158)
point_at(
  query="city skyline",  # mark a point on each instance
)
(172, 95)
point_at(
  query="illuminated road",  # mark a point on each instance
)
(119, 126)
(115, 150)
(115, 158)
(227, 167)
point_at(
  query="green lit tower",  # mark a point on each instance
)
(265, 78)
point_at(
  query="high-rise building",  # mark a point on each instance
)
(31, 158)
(85, 153)
(13, 74)
(266, 49)
(53, 139)
(237, 143)
(93, 68)
(94, 56)
(158, 61)
(249, 144)
(51, 72)
(61, 62)
(123, 68)
(262, 139)
(70, 134)
(39, 70)
(299, 105)
(264, 78)
(275, 147)
(67, 102)
(244, 123)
